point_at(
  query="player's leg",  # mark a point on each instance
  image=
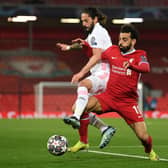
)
(97, 122)
(89, 86)
(107, 131)
(80, 104)
(146, 140)
(83, 134)
(83, 130)
(95, 85)
(82, 97)
(134, 118)
(99, 83)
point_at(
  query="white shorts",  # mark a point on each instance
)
(99, 83)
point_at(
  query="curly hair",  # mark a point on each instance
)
(129, 28)
(94, 12)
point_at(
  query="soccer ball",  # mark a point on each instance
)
(57, 145)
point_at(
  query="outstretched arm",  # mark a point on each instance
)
(142, 67)
(92, 61)
(66, 47)
(76, 44)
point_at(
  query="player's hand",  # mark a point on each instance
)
(76, 78)
(126, 64)
(79, 40)
(63, 47)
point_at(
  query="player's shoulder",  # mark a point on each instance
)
(140, 55)
(140, 52)
(112, 49)
(98, 28)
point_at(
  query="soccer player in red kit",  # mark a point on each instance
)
(121, 96)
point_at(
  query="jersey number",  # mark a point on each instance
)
(139, 112)
(128, 72)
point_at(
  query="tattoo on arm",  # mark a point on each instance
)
(76, 46)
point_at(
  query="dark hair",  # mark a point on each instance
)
(94, 12)
(129, 28)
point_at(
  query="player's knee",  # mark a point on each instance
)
(93, 105)
(85, 83)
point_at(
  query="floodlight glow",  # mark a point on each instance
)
(22, 18)
(127, 20)
(134, 20)
(119, 21)
(69, 20)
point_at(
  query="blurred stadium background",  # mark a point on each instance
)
(29, 58)
(35, 76)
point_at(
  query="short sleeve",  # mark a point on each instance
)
(142, 57)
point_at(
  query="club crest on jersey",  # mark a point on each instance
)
(143, 58)
(93, 41)
(131, 60)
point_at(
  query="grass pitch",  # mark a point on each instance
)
(23, 145)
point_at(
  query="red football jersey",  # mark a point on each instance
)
(122, 84)
(87, 49)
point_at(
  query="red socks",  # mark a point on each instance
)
(83, 130)
(147, 144)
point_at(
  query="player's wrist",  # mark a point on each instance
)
(68, 47)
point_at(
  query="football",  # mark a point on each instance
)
(57, 145)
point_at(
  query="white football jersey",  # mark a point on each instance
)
(99, 38)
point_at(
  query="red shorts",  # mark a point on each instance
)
(128, 111)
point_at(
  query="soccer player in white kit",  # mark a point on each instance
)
(99, 40)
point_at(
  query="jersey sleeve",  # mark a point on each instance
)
(87, 49)
(112, 51)
(141, 58)
(105, 55)
(100, 39)
(141, 63)
(96, 41)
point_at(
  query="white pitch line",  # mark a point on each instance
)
(124, 155)
(132, 146)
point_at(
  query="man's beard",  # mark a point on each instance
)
(88, 31)
(125, 49)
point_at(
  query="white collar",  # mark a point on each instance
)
(129, 52)
(97, 24)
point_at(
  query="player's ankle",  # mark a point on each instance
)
(103, 128)
(76, 116)
(84, 141)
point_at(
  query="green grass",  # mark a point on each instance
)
(23, 145)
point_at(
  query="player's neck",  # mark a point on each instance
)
(129, 52)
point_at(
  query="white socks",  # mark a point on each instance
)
(97, 122)
(81, 102)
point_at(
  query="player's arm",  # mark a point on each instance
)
(141, 67)
(77, 43)
(66, 47)
(92, 61)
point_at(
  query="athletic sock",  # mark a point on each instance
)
(97, 122)
(103, 128)
(81, 102)
(83, 130)
(147, 144)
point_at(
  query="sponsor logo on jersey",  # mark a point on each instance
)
(131, 60)
(113, 57)
(93, 41)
